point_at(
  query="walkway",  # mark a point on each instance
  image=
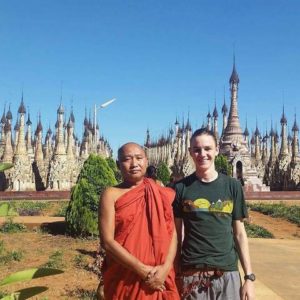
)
(276, 264)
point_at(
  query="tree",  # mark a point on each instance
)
(112, 164)
(82, 212)
(163, 173)
(4, 167)
(222, 165)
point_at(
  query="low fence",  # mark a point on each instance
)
(276, 195)
(65, 195)
(34, 195)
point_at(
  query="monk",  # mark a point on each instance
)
(137, 231)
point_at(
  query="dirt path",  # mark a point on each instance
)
(280, 228)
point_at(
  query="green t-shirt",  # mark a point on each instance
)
(207, 210)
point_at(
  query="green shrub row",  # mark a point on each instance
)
(10, 227)
(255, 231)
(290, 213)
(29, 208)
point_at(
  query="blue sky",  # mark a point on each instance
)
(160, 59)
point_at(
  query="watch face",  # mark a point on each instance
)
(250, 277)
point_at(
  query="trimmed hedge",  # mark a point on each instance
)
(82, 212)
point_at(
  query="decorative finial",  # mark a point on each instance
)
(234, 78)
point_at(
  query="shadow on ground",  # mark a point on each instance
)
(55, 228)
(86, 252)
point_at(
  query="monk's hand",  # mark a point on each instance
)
(156, 277)
(143, 271)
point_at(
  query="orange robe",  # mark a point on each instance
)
(144, 226)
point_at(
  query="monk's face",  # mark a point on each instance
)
(132, 163)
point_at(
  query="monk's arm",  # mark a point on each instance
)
(172, 251)
(178, 225)
(158, 274)
(111, 246)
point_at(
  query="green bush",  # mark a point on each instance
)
(83, 294)
(82, 212)
(290, 213)
(81, 261)
(81, 215)
(222, 165)
(55, 261)
(7, 210)
(97, 172)
(3, 294)
(9, 256)
(112, 164)
(17, 255)
(10, 227)
(255, 231)
(163, 173)
(2, 248)
(29, 208)
(62, 210)
(23, 208)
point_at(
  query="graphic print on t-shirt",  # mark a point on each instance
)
(202, 204)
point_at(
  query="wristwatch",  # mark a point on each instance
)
(250, 277)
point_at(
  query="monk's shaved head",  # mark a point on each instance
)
(132, 162)
(123, 148)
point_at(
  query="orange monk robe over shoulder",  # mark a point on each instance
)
(144, 226)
